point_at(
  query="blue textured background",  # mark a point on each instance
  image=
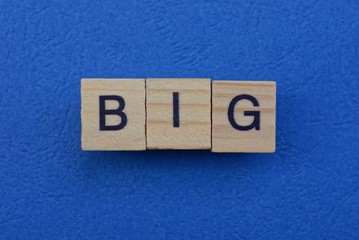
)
(308, 189)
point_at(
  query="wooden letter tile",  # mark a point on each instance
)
(243, 116)
(178, 113)
(113, 114)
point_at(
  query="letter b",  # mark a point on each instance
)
(119, 112)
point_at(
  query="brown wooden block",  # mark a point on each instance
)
(243, 116)
(113, 114)
(178, 113)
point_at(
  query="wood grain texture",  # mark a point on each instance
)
(194, 97)
(226, 138)
(132, 136)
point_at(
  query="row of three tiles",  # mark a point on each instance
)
(196, 113)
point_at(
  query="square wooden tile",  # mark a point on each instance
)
(113, 114)
(178, 113)
(243, 116)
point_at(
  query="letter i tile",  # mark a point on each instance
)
(178, 113)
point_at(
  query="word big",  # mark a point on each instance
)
(156, 113)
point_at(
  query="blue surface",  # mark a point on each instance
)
(308, 189)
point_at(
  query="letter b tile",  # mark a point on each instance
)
(178, 113)
(243, 116)
(113, 114)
